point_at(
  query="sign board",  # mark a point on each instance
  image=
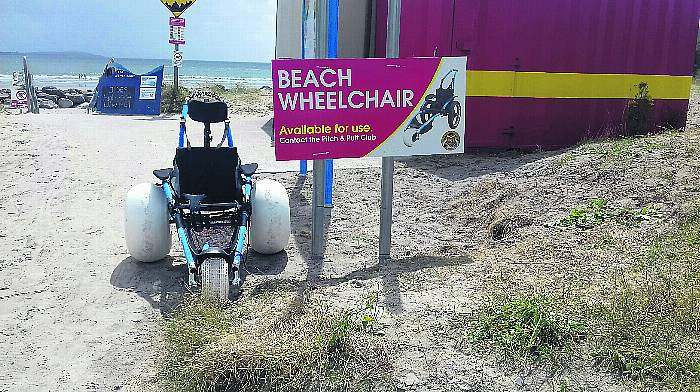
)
(177, 31)
(147, 93)
(177, 22)
(149, 81)
(177, 58)
(177, 7)
(18, 95)
(352, 108)
(121, 91)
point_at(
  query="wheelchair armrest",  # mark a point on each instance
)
(249, 169)
(163, 174)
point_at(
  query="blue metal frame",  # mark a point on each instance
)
(243, 227)
(332, 54)
(183, 127)
(181, 232)
(229, 135)
(303, 165)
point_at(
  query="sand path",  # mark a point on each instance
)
(75, 312)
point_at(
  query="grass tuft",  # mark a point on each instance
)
(527, 327)
(276, 341)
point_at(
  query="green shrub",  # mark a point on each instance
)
(639, 111)
(170, 103)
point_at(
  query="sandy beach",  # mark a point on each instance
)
(79, 314)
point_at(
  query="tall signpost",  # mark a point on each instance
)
(319, 164)
(387, 193)
(177, 36)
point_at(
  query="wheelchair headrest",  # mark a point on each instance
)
(207, 112)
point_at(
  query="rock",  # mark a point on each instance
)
(77, 99)
(65, 103)
(266, 88)
(54, 98)
(83, 105)
(54, 91)
(47, 104)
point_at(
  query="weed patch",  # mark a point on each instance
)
(528, 327)
(598, 211)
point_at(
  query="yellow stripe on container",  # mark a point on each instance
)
(574, 85)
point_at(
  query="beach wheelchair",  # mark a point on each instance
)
(212, 200)
(442, 103)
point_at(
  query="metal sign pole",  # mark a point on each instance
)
(385, 210)
(176, 78)
(319, 166)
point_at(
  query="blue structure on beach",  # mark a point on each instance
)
(121, 91)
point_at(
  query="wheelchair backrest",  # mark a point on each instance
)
(213, 172)
(207, 112)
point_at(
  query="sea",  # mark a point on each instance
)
(62, 70)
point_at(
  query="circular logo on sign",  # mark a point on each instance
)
(21, 95)
(450, 140)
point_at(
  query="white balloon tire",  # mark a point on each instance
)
(147, 223)
(270, 222)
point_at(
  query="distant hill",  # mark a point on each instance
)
(71, 54)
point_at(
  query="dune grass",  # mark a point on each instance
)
(650, 329)
(274, 341)
(647, 329)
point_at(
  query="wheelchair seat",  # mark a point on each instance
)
(207, 112)
(213, 172)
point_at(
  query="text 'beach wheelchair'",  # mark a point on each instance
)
(214, 203)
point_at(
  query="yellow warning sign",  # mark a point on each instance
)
(177, 7)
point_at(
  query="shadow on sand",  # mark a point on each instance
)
(162, 284)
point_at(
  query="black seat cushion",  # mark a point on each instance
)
(209, 171)
(443, 96)
(207, 112)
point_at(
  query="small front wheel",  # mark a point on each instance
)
(454, 114)
(215, 278)
(410, 137)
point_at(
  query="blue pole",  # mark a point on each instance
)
(303, 165)
(332, 54)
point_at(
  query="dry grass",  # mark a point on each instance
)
(625, 264)
(277, 340)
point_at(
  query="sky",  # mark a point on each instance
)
(221, 30)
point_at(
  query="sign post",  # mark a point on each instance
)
(387, 192)
(18, 94)
(177, 37)
(319, 163)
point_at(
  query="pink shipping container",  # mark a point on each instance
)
(549, 73)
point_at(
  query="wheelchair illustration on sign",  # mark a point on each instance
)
(443, 103)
